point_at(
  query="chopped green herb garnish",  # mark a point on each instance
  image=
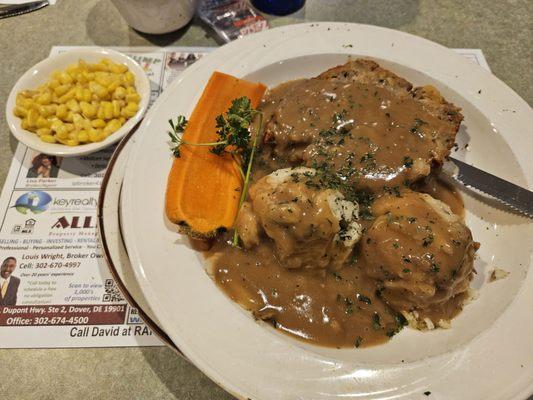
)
(416, 125)
(407, 162)
(428, 240)
(367, 157)
(176, 133)
(337, 276)
(395, 190)
(364, 299)
(435, 267)
(376, 322)
(358, 341)
(349, 305)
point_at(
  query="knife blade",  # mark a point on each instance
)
(514, 196)
(19, 9)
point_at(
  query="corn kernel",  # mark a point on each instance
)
(69, 117)
(96, 135)
(53, 83)
(115, 83)
(112, 126)
(100, 114)
(56, 124)
(99, 67)
(116, 108)
(43, 131)
(103, 79)
(83, 136)
(133, 98)
(32, 117)
(61, 111)
(62, 89)
(87, 95)
(98, 123)
(42, 122)
(48, 138)
(73, 105)
(44, 99)
(72, 68)
(130, 78)
(62, 132)
(118, 68)
(119, 93)
(65, 78)
(88, 110)
(78, 95)
(67, 96)
(30, 93)
(107, 108)
(20, 112)
(49, 110)
(98, 90)
(20, 99)
(130, 110)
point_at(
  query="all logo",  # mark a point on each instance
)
(35, 201)
(74, 222)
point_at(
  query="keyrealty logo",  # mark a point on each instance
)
(35, 201)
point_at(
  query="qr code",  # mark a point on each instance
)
(112, 292)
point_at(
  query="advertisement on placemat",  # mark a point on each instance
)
(55, 287)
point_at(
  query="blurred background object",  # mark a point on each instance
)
(16, 8)
(231, 19)
(278, 7)
(156, 16)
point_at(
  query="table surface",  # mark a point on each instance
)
(502, 29)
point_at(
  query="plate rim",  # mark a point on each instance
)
(105, 247)
(136, 262)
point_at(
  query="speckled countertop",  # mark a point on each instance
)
(502, 29)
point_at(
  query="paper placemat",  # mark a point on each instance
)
(61, 293)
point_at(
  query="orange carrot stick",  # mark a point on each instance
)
(203, 188)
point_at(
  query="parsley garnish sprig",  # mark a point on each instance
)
(233, 130)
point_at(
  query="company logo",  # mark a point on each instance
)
(60, 202)
(74, 222)
(35, 201)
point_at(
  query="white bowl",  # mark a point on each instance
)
(40, 73)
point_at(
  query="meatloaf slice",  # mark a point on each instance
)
(369, 72)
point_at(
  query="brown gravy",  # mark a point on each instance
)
(386, 145)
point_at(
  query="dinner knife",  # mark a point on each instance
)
(19, 9)
(514, 196)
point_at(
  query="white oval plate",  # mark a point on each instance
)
(41, 72)
(488, 352)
